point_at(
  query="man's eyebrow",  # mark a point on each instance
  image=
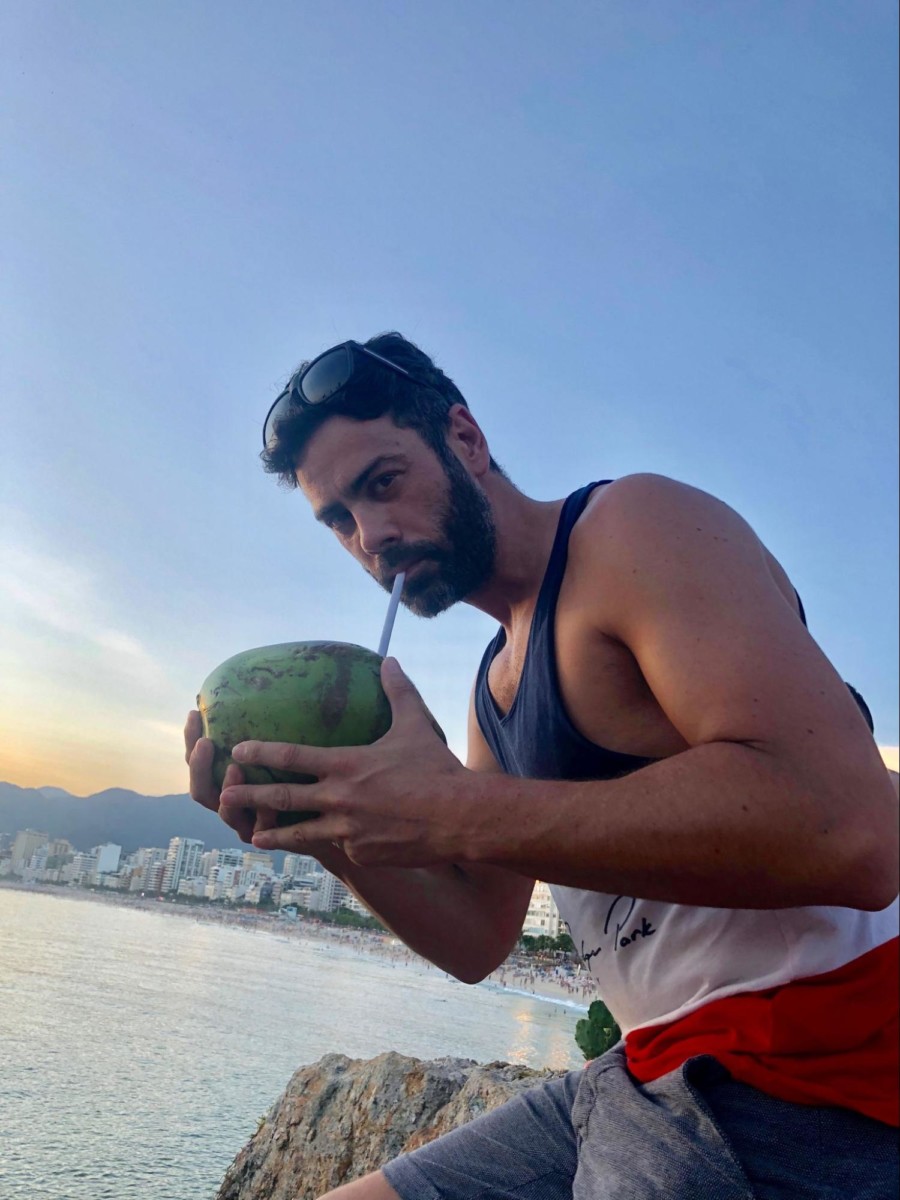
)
(336, 509)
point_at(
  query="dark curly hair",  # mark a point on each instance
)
(421, 402)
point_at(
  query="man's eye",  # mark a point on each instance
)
(341, 523)
(383, 482)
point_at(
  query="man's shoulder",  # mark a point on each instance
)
(647, 487)
(646, 535)
(632, 503)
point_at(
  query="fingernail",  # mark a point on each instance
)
(392, 667)
(239, 752)
(263, 841)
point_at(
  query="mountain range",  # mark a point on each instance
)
(126, 818)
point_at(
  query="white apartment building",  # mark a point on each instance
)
(230, 857)
(107, 857)
(331, 894)
(257, 860)
(264, 888)
(195, 887)
(356, 906)
(222, 882)
(182, 860)
(153, 877)
(150, 866)
(80, 870)
(301, 866)
(148, 855)
(301, 896)
(543, 915)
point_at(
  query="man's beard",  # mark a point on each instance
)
(461, 561)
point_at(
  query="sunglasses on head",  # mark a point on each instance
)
(320, 381)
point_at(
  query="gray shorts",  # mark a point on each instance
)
(694, 1134)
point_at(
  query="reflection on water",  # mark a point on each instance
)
(138, 1050)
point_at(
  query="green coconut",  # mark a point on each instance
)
(308, 693)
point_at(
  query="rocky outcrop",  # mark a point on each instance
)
(342, 1117)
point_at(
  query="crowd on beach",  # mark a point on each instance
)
(572, 983)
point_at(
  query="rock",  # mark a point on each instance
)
(341, 1118)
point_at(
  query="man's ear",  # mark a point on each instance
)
(465, 438)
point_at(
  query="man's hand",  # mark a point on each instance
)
(198, 753)
(395, 803)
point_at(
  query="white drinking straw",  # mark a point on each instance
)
(391, 613)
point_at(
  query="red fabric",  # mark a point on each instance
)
(831, 1039)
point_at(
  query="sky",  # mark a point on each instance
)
(639, 237)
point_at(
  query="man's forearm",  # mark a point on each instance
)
(721, 825)
(465, 920)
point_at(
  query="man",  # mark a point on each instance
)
(655, 734)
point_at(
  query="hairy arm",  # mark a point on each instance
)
(465, 919)
(781, 798)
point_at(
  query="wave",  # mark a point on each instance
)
(514, 991)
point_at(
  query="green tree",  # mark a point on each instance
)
(597, 1032)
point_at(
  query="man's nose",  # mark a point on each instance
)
(377, 532)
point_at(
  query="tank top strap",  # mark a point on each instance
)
(545, 607)
(506, 735)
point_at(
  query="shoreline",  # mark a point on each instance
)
(515, 977)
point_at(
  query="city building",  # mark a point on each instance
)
(230, 857)
(302, 866)
(257, 860)
(182, 860)
(543, 915)
(107, 857)
(25, 843)
(332, 894)
(153, 877)
(194, 888)
(61, 849)
(223, 882)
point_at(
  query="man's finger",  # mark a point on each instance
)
(302, 838)
(241, 820)
(193, 730)
(407, 706)
(287, 756)
(406, 703)
(202, 787)
(264, 818)
(282, 797)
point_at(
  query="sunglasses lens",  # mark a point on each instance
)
(327, 376)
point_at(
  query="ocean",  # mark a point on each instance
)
(138, 1049)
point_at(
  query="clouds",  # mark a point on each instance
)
(43, 592)
(85, 703)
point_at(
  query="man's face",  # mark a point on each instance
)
(397, 506)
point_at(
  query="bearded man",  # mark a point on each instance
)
(652, 731)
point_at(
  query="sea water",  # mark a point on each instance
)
(139, 1049)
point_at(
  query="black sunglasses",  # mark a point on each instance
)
(320, 381)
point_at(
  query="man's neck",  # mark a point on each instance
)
(526, 529)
